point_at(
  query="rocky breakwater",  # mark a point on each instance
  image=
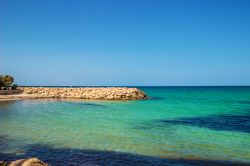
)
(112, 93)
(24, 162)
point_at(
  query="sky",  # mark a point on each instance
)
(125, 42)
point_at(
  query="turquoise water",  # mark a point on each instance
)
(178, 125)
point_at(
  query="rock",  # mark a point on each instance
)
(27, 162)
(112, 93)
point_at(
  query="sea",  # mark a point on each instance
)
(175, 126)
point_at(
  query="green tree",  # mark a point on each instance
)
(1, 81)
(6, 80)
(14, 86)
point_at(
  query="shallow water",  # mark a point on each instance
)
(178, 125)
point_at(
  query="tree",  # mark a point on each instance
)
(6, 80)
(1, 81)
(14, 86)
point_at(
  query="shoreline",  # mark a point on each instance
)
(93, 93)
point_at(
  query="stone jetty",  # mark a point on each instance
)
(106, 93)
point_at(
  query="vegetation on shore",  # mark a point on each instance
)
(6, 82)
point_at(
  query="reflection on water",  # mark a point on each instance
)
(6, 103)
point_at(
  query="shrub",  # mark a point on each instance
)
(6, 80)
(1, 81)
(14, 86)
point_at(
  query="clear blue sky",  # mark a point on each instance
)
(125, 42)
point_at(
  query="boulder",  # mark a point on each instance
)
(26, 162)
